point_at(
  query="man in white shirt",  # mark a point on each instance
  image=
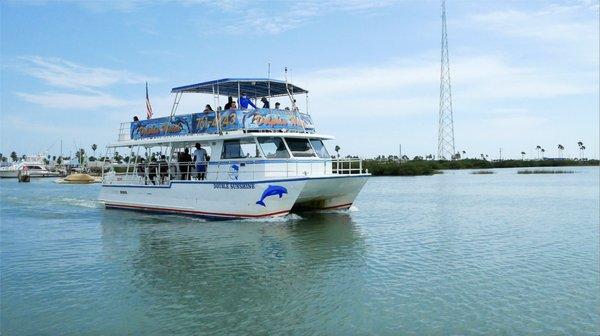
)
(200, 160)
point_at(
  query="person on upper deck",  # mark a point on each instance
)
(200, 159)
(277, 106)
(245, 101)
(135, 118)
(229, 102)
(265, 103)
(208, 108)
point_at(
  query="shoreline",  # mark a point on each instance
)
(427, 167)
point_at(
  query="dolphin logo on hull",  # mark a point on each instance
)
(271, 190)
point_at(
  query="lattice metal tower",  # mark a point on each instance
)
(446, 148)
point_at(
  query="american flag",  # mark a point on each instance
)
(148, 106)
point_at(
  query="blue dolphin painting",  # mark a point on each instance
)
(271, 190)
(234, 171)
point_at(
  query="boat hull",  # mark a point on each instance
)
(214, 199)
(236, 199)
(32, 173)
(331, 192)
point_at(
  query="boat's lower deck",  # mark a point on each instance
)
(237, 199)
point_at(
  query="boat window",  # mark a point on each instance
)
(300, 147)
(273, 147)
(34, 167)
(238, 149)
(319, 147)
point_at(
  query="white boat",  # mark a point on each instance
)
(263, 162)
(35, 165)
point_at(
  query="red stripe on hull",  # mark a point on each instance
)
(195, 212)
(341, 207)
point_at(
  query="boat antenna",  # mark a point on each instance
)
(269, 80)
(288, 89)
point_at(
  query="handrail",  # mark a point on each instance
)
(160, 173)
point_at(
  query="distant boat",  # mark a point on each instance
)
(78, 178)
(35, 165)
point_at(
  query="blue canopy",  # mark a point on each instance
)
(252, 87)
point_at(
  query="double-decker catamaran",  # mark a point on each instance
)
(261, 162)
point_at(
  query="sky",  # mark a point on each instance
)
(524, 73)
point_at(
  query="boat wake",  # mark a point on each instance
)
(84, 203)
(352, 208)
(280, 219)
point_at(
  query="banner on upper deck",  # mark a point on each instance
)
(231, 120)
(265, 119)
(151, 128)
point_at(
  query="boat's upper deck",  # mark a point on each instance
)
(247, 117)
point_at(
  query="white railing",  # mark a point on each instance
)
(159, 173)
(347, 166)
(125, 131)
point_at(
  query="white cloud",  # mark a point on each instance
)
(572, 28)
(87, 84)
(410, 84)
(57, 100)
(61, 73)
(272, 20)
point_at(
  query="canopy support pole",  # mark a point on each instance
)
(269, 83)
(175, 103)
(306, 95)
(218, 113)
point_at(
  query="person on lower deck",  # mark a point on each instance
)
(163, 169)
(185, 161)
(200, 160)
(152, 167)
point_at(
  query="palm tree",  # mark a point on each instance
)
(94, 147)
(522, 156)
(80, 154)
(543, 151)
(560, 150)
(337, 150)
(14, 156)
(117, 157)
(538, 148)
(581, 148)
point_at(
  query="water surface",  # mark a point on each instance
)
(446, 254)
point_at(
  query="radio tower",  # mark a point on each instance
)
(446, 124)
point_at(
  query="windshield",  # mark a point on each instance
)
(300, 147)
(319, 148)
(273, 148)
(238, 149)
